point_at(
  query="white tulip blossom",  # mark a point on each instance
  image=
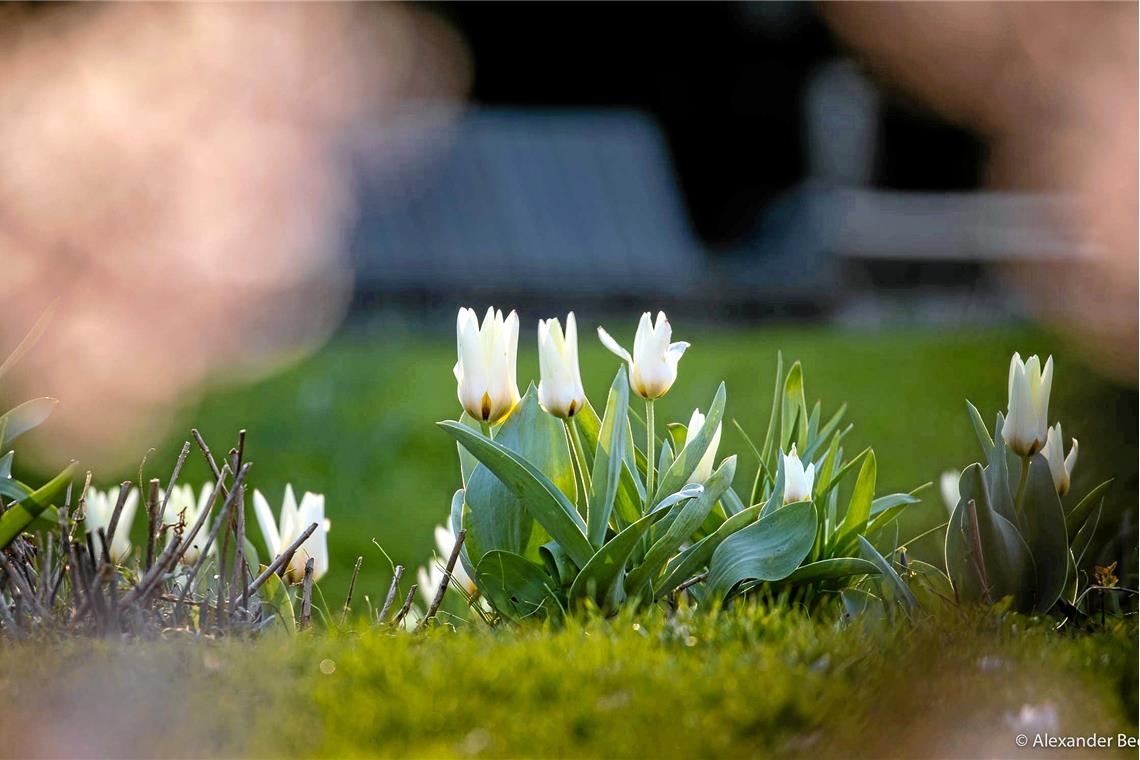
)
(1060, 466)
(1027, 423)
(182, 501)
(704, 467)
(294, 520)
(485, 369)
(560, 388)
(798, 481)
(99, 506)
(950, 491)
(653, 365)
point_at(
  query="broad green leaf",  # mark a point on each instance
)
(497, 516)
(998, 475)
(688, 519)
(984, 441)
(600, 578)
(732, 503)
(688, 458)
(467, 462)
(6, 465)
(20, 514)
(687, 563)
(544, 501)
(829, 485)
(859, 507)
(674, 439)
(517, 588)
(557, 564)
(794, 413)
(608, 456)
(1080, 513)
(1045, 533)
(1004, 561)
(891, 500)
(24, 417)
(768, 550)
(887, 574)
(831, 569)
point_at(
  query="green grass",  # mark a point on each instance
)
(746, 683)
(356, 421)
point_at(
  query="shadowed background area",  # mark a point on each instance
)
(264, 217)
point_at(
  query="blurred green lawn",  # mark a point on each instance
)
(356, 420)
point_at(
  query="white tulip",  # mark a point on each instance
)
(485, 369)
(950, 493)
(294, 520)
(1027, 423)
(560, 388)
(99, 506)
(1060, 466)
(182, 501)
(705, 466)
(798, 482)
(653, 365)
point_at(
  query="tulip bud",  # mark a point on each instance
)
(705, 466)
(950, 489)
(1027, 423)
(99, 507)
(798, 482)
(560, 388)
(653, 365)
(485, 368)
(1060, 466)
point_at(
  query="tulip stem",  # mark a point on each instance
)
(650, 444)
(578, 454)
(486, 428)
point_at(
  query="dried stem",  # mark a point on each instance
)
(307, 595)
(351, 588)
(392, 589)
(407, 606)
(439, 592)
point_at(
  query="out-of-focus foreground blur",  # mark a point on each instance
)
(208, 192)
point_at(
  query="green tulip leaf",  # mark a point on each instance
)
(688, 519)
(1004, 566)
(275, 596)
(835, 568)
(859, 507)
(890, 579)
(517, 588)
(1080, 513)
(24, 417)
(769, 549)
(22, 513)
(608, 457)
(1045, 533)
(984, 441)
(497, 515)
(793, 412)
(543, 500)
(600, 578)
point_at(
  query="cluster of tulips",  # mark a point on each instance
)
(182, 505)
(1008, 536)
